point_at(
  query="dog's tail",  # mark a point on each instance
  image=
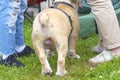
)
(45, 24)
(44, 20)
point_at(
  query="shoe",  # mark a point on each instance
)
(98, 49)
(102, 57)
(27, 51)
(11, 61)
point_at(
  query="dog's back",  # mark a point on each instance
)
(50, 20)
(50, 23)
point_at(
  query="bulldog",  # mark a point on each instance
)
(56, 28)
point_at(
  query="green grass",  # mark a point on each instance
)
(78, 69)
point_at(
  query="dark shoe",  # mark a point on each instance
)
(11, 61)
(27, 51)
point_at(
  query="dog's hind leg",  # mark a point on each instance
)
(40, 51)
(72, 47)
(62, 49)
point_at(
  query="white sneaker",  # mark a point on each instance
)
(102, 57)
(98, 49)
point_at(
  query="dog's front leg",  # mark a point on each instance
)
(62, 53)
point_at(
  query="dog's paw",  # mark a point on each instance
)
(59, 73)
(74, 56)
(46, 72)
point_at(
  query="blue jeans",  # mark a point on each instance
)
(11, 25)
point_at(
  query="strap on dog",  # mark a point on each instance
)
(70, 20)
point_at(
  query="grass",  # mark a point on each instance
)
(77, 69)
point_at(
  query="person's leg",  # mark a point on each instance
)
(8, 14)
(108, 27)
(19, 24)
(107, 22)
(100, 46)
(20, 44)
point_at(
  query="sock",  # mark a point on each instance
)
(4, 56)
(20, 49)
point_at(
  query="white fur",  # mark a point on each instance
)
(47, 69)
(59, 72)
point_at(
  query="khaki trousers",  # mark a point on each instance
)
(107, 22)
